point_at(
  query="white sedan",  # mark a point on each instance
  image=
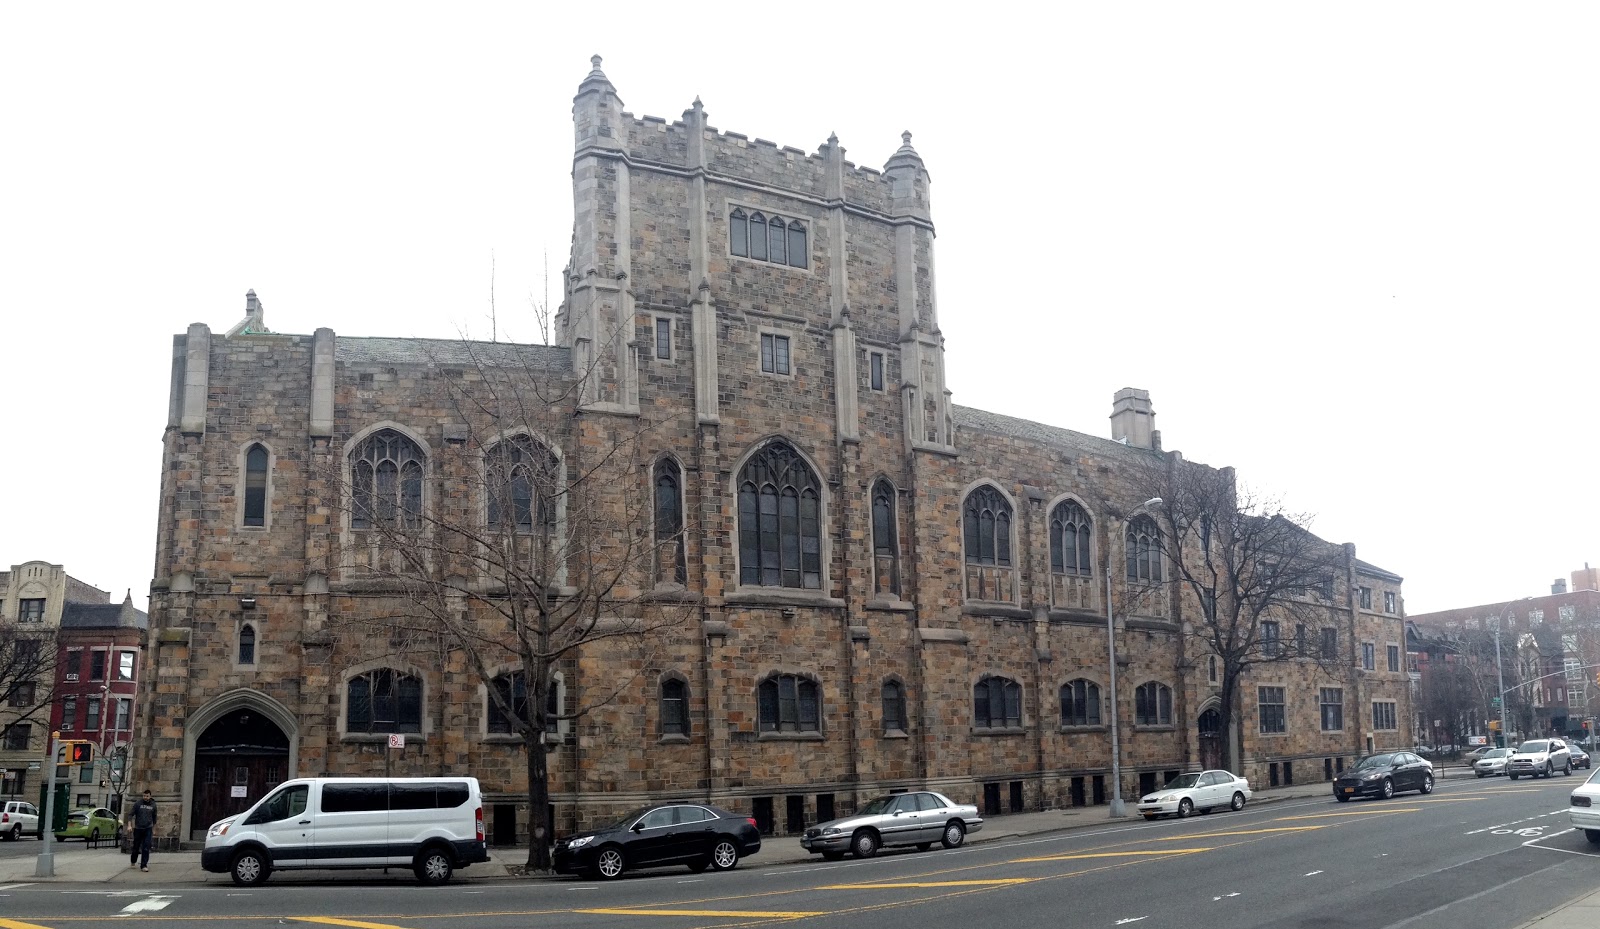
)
(1203, 791)
(1585, 808)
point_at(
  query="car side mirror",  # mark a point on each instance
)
(637, 827)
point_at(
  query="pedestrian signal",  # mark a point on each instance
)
(75, 752)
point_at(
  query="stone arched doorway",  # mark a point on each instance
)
(1210, 731)
(240, 751)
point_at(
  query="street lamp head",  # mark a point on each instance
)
(1153, 501)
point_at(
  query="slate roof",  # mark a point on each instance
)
(101, 616)
(984, 421)
(389, 351)
(1372, 570)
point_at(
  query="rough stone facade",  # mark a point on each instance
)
(664, 323)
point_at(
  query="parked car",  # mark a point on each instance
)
(1382, 775)
(90, 825)
(920, 818)
(1580, 758)
(1492, 763)
(1203, 791)
(695, 834)
(1477, 753)
(1540, 756)
(17, 817)
(1584, 808)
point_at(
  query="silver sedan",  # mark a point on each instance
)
(1203, 791)
(920, 818)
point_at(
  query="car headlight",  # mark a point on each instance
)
(1168, 798)
(832, 830)
(1373, 776)
(218, 829)
(580, 842)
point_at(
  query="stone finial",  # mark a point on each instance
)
(833, 138)
(596, 80)
(905, 155)
(595, 60)
(128, 599)
(698, 106)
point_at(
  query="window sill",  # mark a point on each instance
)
(511, 738)
(1155, 727)
(896, 734)
(999, 731)
(671, 593)
(1078, 617)
(673, 739)
(781, 596)
(994, 610)
(1083, 730)
(1273, 735)
(379, 738)
(1150, 622)
(789, 737)
(889, 606)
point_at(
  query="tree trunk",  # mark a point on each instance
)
(538, 802)
(1230, 728)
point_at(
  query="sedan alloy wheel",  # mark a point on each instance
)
(724, 855)
(609, 863)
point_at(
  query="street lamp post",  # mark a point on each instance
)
(1118, 809)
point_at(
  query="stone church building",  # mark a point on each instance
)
(879, 589)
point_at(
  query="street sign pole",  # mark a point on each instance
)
(45, 866)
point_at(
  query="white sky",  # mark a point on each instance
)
(1349, 248)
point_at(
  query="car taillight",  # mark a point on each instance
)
(478, 815)
(752, 821)
(6, 818)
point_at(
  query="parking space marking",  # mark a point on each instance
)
(876, 886)
(729, 914)
(17, 924)
(15, 886)
(1156, 852)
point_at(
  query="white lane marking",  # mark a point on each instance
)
(1131, 919)
(147, 905)
(583, 888)
(1234, 894)
(15, 886)
(1311, 873)
(694, 880)
(1502, 828)
(238, 895)
(471, 892)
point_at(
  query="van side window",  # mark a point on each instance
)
(427, 796)
(290, 801)
(354, 798)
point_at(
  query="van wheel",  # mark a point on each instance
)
(250, 867)
(434, 866)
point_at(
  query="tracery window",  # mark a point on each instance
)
(671, 561)
(386, 480)
(523, 479)
(1080, 703)
(997, 704)
(773, 238)
(1069, 540)
(383, 700)
(1144, 550)
(885, 543)
(789, 703)
(1152, 704)
(780, 520)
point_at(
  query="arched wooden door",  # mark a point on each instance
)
(236, 761)
(1211, 738)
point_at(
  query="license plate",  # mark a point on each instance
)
(1349, 790)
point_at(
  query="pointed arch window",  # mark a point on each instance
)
(894, 707)
(739, 233)
(776, 239)
(513, 689)
(524, 479)
(758, 237)
(247, 644)
(671, 561)
(383, 700)
(1069, 540)
(987, 524)
(768, 237)
(997, 704)
(789, 703)
(674, 707)
(885, 543)
(255, 486)
(1152, 704)
(1144, 550)
(1080, 703)
(386, 479)
(780, 522)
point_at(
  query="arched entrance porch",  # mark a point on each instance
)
(236, 749)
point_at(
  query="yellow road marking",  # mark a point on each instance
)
(1212, 835)
(1164, 852)
(1379, 812)
(734, 914)
(16, 924)
(1003, 880)
(335, 921)
(1449, 799)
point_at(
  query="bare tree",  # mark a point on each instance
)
(27, 675)
(1264, 583)
(545, 549)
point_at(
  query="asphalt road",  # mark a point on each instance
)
(1486, 854)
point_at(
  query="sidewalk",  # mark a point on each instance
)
(92, 866)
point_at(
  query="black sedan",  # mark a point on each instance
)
(1382, 775)
(694, 834)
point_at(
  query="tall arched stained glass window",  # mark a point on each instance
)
(386, 481)
(780, 520)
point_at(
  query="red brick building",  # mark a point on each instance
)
(100, 648)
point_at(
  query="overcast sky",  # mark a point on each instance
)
(1350, 249)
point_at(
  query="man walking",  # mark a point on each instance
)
(143, 818)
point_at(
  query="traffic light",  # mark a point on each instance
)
(74, 752)
(1494, 725)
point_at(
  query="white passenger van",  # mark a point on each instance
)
(432, 825)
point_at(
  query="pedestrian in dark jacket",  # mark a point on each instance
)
(143, 819)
